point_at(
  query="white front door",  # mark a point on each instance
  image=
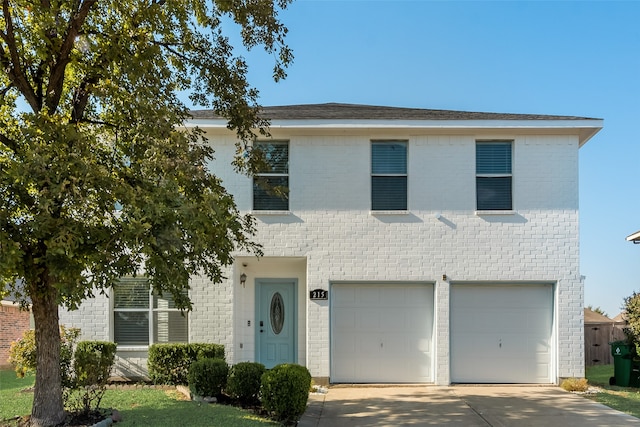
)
(501, 333)
(381, 333)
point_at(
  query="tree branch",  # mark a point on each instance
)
(56, 79)
(8, 142)
(12, 63)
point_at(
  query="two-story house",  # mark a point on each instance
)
(403, 245)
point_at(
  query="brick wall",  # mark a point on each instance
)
(13, 323)
(330, 236)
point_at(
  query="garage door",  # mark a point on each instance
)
(381, 333)
(501, 334)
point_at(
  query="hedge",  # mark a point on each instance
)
(170, 363)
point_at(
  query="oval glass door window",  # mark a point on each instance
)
(277, 313)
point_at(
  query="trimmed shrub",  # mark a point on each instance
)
(170, 363)
(285, 391)
(575, 384)
(244, 381)
(207, 377)
(93, 361)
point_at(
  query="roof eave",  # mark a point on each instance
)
(635, 237)
(585, 128)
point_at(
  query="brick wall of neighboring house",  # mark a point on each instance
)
(13, 323)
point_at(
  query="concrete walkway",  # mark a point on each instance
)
(498, 406)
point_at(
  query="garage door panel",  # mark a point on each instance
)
(392, 337)
(501, 333)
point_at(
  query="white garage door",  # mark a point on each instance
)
(381, 333)
(501, 334)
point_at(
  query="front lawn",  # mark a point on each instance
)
(625, 399)
(138, 407)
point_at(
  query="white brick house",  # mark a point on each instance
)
(446, 243)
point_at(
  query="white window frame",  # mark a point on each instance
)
(495, 175)
(272, 174)
(405, 175)
(149, 310)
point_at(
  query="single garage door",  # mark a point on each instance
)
(381, 333)
(501, 334)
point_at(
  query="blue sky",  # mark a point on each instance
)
(579, 58)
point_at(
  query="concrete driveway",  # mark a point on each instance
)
(457, 406)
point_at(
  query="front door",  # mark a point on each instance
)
(276, 321)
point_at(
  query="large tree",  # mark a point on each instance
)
(98, 179)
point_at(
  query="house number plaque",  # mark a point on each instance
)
(319, 294)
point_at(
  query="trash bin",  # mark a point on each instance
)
(622, 364)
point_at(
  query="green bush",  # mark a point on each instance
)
(207, 377)
(244, 381)
(93, 361)
(285, 391)
(170, 363)
(92, 364)
(22, 353)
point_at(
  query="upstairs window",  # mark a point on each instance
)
(493, 175)
(388, 175)
(141, 318)
(271, 183)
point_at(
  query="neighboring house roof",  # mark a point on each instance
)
(354, 115)
(591, 316)
(635, 237)
(621, 317)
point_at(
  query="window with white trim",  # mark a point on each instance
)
(388, 175)
(494, 175)
(271, 183)
(141, 318)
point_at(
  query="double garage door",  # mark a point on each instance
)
(498, 334)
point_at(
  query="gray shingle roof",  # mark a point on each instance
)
(333, 111)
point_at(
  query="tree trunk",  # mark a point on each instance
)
(48, 409)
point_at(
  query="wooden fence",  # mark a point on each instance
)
(597, 337)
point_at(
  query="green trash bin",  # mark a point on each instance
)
(622, 364)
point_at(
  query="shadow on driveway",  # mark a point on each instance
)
(457, 406)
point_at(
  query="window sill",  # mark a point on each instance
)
(482, 213)
(132, 348)
(270, 213)
(374, 213)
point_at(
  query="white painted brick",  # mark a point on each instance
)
(330, 236)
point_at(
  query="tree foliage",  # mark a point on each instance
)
(631, 308)
(90, 120)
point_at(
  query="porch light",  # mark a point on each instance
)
(243, 279)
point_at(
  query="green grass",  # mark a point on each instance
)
(625, 399)
(13, 400)
(138, 407)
